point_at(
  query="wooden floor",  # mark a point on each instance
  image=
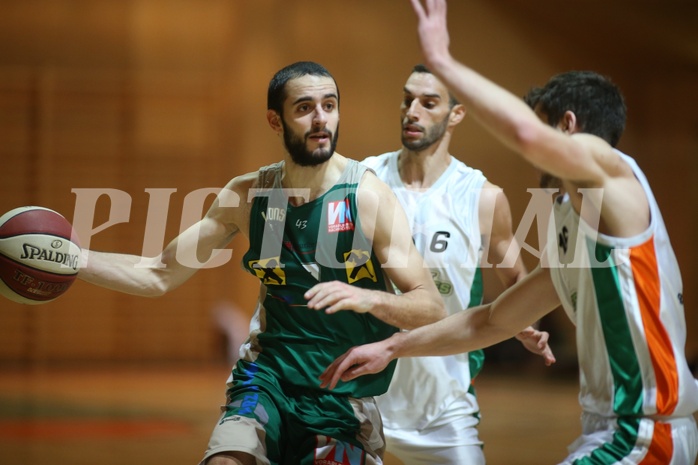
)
(161, 415)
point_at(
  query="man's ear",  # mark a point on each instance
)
(274, 120)
(457, 114)
(568, 123)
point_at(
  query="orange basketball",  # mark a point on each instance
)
(39, 255)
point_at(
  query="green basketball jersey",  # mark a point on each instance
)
(292, 248)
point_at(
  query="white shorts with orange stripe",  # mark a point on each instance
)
(635, 441)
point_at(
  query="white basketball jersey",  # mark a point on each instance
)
(625, 297)
(446, 231)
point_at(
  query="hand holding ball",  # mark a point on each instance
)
(39, 255)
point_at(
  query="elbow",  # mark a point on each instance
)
(499, 328)
(442, 312)
(151, 290)
(157, 291)
(160, 285)
(163, 286)
(439, 312)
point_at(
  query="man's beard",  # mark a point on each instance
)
(297, 147)
(431, 136)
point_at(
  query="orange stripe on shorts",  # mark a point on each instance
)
(662, 446)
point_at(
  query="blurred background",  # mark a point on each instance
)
(160, 99)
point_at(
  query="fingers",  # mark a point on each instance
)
(537, 342)
(336, 296)
(310, 293)
(544, 338)
(439, 6)
(433, 8)
(325, 295)
(357, 361)
(526, 333)
(529, 333)
(549, 358)
(338, 370)
(544, 348)
(418, 9)
(330, 377)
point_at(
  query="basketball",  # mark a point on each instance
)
(39, 255)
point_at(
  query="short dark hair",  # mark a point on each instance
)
(596, 102)
(277, 86)
(420, 68)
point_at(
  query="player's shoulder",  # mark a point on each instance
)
(259, 179)
(461, 179)
(628, 165)
(463, 170)
(491, 194)
(371, 181)
(243, 182)
(377, 162)
(372, 186)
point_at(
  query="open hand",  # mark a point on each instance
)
(334, 296)
(432, 28)
(537, 342)
(357, 361)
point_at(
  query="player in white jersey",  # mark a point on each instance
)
(610, 264)
(459, 221)
(630, 345)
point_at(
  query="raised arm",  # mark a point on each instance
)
(183, 256)
(505, 115)
(471, 329)
(565, 152)
(383, 219)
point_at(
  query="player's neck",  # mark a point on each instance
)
(420, 170)
(312, 181)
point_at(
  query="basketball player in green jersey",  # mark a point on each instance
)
(310, 218)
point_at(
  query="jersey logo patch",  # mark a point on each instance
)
(563, 239)
(269, 271)
(273, 217)
(329, 451)
(443, 285)
(339, 216)
(359, 266)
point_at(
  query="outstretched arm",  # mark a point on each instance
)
(154, 276)
(471, 329)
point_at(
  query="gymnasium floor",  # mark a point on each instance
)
(159, 415)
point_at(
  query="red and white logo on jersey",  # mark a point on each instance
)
(329, 451)
(339, 216)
